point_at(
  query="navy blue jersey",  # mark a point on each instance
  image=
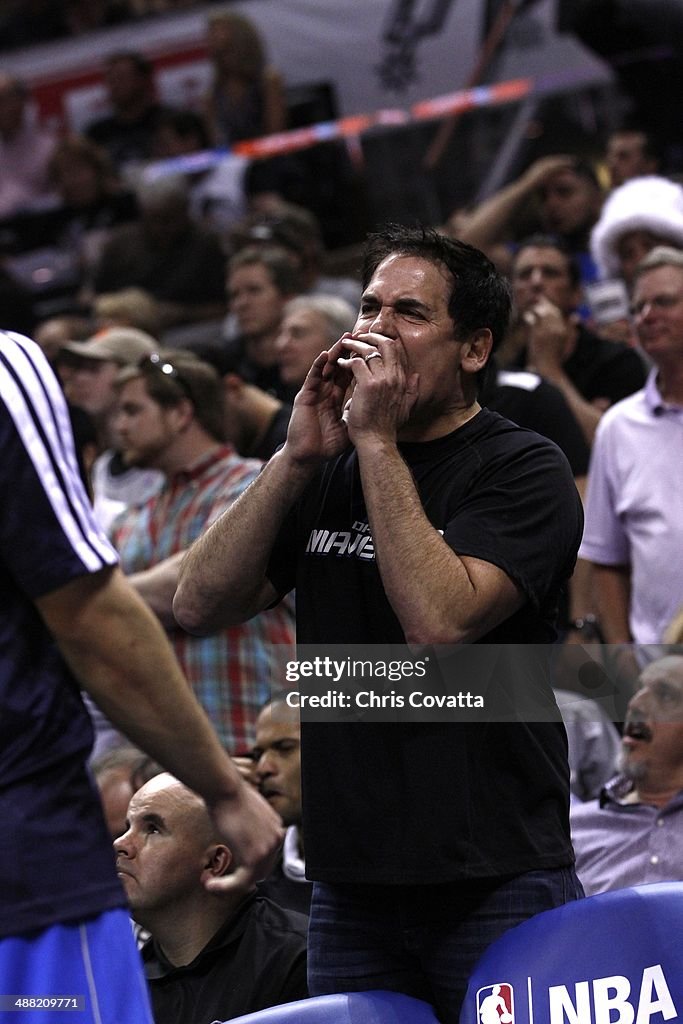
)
(55, 854)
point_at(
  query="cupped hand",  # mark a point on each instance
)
(384, 389)
(245, 766)
(317, 429)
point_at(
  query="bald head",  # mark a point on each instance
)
(167, 853)
(182, 807)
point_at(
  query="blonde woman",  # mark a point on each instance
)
(247, 96)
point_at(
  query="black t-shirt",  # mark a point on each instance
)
(599, 368)
(428, 802)
(529, 401)
(128, 141)
(287, 892)
(267, 378)
(275, 435)
(257, 959)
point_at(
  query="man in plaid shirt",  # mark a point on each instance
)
(171, 418)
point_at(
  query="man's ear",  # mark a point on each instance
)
(232, 382)
(476, 350)
(233, 389)
(218, 860)
(184, 412)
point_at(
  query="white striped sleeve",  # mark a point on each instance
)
(37, 408)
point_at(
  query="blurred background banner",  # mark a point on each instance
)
(376, 54)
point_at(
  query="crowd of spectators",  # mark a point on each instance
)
(86, 212)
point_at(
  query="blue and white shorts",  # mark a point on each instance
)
(79, 973)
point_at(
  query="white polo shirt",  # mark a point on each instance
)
(634, 505)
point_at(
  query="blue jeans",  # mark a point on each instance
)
(423, 940)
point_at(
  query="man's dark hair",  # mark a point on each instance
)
(283, 271)
(652, 146)
(480, 295)
(173, 375)
(224, 358)
(187, 125)
(85, 436)
(584, 169)
(142, 65)
(541, 241)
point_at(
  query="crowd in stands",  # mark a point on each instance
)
(82, 213)
(182, 317)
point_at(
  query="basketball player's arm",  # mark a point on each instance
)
(120, 655)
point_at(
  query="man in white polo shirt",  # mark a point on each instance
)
(634, 527)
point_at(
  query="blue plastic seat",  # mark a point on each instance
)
(346, 1008)
(616, 958)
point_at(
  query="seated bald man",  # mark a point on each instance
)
(212, 956)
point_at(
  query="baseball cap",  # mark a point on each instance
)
(122, 345)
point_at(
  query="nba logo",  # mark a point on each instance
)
(495, 1005)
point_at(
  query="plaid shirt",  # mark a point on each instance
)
(231, 671)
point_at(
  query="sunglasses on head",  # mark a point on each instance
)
(161, 364)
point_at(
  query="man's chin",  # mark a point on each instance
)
(133, 459)
(630, 765)
(280, 804)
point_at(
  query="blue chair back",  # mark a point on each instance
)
(616, 958)
(346, 1008)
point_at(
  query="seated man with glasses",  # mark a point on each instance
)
(170, 417)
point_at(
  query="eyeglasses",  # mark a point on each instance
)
(656, 302)
(161, 364)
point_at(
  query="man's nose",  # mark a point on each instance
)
(123, 846)
(384, 323)
(644, 310)
(638, 704)
(264, 766)
(121, 431)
